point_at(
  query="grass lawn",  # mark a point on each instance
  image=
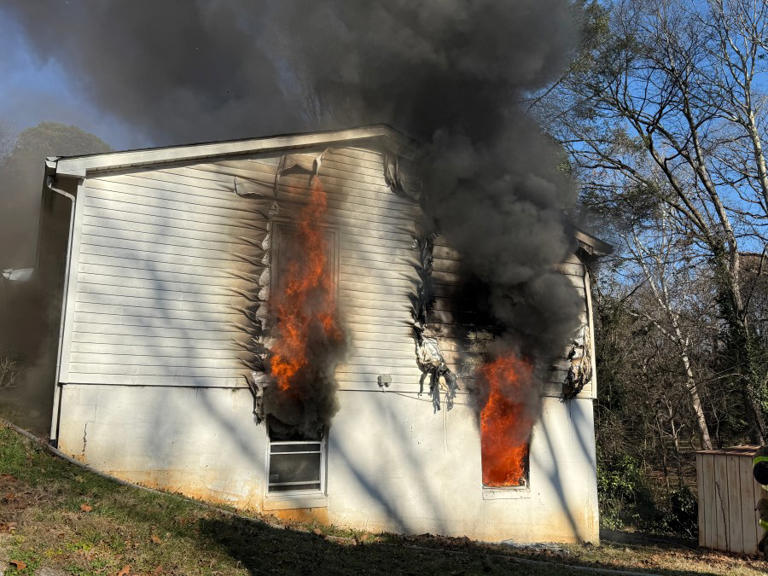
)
(57, 518)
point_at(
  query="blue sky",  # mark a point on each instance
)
(35, 90)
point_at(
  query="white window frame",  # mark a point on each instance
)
(283, 494)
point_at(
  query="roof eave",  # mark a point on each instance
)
(82, 166)
(593, 245)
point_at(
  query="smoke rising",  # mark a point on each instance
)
(29, 310)
(449, 72)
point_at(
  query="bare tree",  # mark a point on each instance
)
(663, 108)
(655, 257)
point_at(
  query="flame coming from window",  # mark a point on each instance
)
(505, 422)
(305, 307)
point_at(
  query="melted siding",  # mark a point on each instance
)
(160, 269)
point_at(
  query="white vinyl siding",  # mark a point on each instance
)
(157, 279)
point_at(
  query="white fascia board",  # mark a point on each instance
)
(82, 166)
(597, 246)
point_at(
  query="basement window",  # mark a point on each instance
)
(295, 463)
(296, 466)
(510, 474)
(505, 426)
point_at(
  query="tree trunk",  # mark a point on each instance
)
(698, 411)
(753, 383)
(691, 386)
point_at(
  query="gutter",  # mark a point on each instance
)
(50, 180)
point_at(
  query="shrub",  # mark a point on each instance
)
(624, 495)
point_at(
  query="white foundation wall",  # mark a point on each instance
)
(202, 442)
(392, 465)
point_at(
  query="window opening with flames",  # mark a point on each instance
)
(506, 422)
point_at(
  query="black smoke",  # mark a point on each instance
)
(451, 73)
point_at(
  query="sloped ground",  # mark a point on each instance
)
(57, 518)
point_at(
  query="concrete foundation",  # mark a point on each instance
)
(392, 465)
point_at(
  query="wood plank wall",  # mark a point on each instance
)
(728, 495)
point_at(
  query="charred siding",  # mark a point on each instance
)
(158, 274)
(462, 349)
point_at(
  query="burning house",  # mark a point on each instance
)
(275, 324)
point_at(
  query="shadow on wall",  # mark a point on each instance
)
(415, 475)
(558, 478)
(170, 425)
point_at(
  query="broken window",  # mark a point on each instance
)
(506, 421)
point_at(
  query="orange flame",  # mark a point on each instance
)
(307, 301)
(505, 423)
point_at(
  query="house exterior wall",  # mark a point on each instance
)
(392, 464)
(154, 390)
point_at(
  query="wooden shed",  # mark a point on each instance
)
(166, 248)
(728, 497)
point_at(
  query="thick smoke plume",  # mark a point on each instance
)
(448, 72)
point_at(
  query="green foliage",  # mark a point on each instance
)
(683, 518)
(742, 357)
(628, 499)
(643, 476)
(624, 494)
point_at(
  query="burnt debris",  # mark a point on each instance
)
(429, 358)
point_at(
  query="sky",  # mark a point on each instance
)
(36, 89)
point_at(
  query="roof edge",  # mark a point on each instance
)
(596, 246)
(82, 166)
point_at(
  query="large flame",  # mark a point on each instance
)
(505, 421)
(305, 305)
